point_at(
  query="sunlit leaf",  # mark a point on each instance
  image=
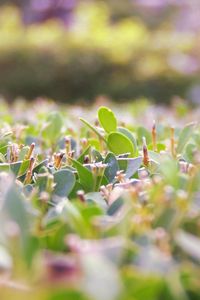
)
(118, 143)
(107, 119)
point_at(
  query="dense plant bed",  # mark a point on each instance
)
(99, 208)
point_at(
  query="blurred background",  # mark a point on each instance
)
(71, 50)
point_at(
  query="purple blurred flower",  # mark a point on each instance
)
(185, 13)
(36, 11)
(159, 3)
(43, 5)
(183, 63)
(189, 17)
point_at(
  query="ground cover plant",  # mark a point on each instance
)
(99, 205)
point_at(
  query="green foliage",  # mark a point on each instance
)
(107, 119)
(109, 219)
(85, 176)
(133, 164)
(112, 167)
(93, 128)
(118, 143)
(65, 181)
(129, 135)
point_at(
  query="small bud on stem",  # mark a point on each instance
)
(81, 196)
(145, 152)
(86, 159)
(30, 152)
(84, 143)
(58, 161)
(30, 171)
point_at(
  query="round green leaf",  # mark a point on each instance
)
(118, 143)
(107, 119)
(64, 180)
(129, 135)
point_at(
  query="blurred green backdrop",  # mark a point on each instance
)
(122, 49)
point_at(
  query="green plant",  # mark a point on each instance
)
(104, 211)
